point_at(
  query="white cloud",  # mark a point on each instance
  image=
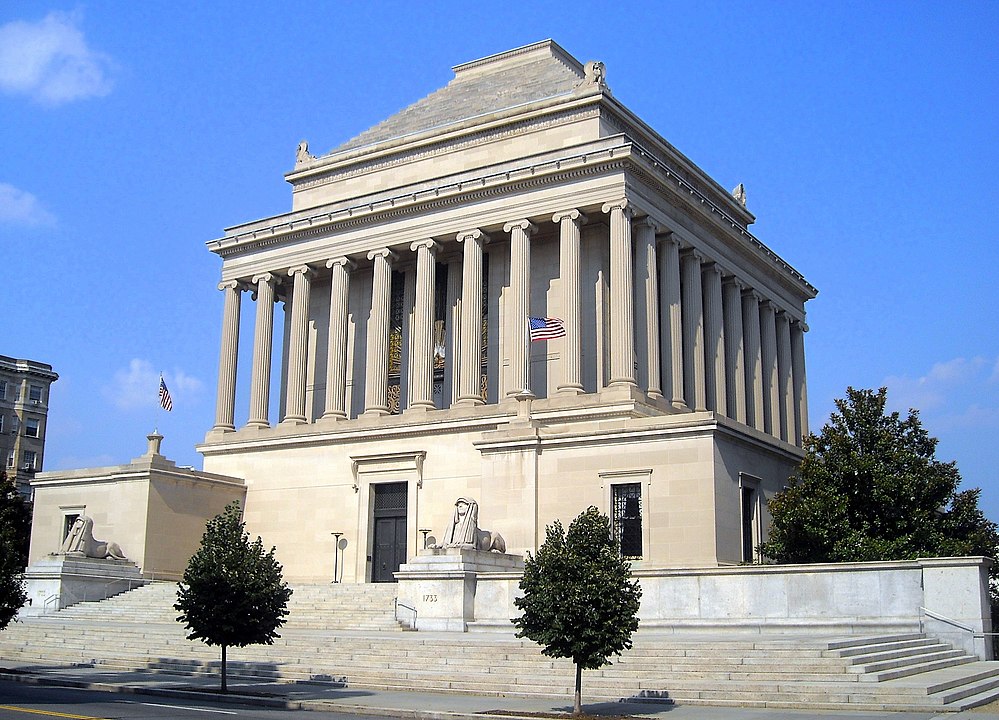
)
(137, 386)
(19, 207)
(50, 61)
(937, 387)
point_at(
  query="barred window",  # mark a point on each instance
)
(626, 519)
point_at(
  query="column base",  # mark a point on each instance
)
(375, 412)
(465, 402)
(570, 390)
(257, 425)
(419, 409)
(293, 421)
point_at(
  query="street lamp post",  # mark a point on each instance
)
(336, 555)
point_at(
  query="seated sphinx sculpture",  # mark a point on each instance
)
(463, 530)
(80, 541)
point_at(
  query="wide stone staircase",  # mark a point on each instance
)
(347, 635)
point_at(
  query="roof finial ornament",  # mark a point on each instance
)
(302, 154)
(740, 194)
(595, 74)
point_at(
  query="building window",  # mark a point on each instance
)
(626, 518)
(30, 460)
(751, 530)
(32, 428)
(3, 389)
(10, 459)
(2, 418)
(35, 393)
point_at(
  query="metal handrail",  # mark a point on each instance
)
(49, 601)
(955, 623)
(406, 607)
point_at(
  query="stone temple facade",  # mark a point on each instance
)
(393, 306)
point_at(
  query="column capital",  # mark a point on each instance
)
(711, 267)
(473, 234)
(301, 269)
(801, 324)
(621, 204)
(692, 252)
(428, 243)
(382, 252)
(768, 304)
(231, 285)
(526, 225)
(648, 221)
(343, 260)
(733, 280)
(573, 215)
(752, 293)
(266, 277)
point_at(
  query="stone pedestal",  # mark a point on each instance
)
(437, 587)
(59, 581)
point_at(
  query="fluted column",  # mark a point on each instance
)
(225, 405)
(336, 354)
(671, 320)
(376, 377)
(768, 344)
(647, 307)
(569, 223)
(735, 359)
(785, 393)
(714, 339)
(520, 289)
(452, 338)
(421, 392)
(693, 331)
(798, 383)
(754, 359)
(622, 312)
(470, 347)
(263, 339)
(298, 345)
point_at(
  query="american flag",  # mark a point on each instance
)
(546, 328)
(165, 401)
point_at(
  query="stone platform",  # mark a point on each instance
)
(58, 581)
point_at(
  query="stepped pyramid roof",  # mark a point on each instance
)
(499, 82)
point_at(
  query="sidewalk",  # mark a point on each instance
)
(410, 704)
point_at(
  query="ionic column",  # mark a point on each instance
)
(754, 359)
(647, 306)
(421, 392)
(714, 339)
(225, 404)
(376, 377)
(693, 331)
(785, 394)
(298, 345)
(452, 338)
(569, 223)
(263, 339)
(520, 288)
(799, 387)
(771, 391)
(622, 309)
(336, 354)
(470, 346)
(735, 363)
(671, 318)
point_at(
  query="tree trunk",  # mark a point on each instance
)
(577, 699)
(224, 689)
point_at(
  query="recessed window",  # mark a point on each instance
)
(626, 520)
(3, 389)
(35, 393)
(2, 418)
(30, 460)
(10, 459)
(32, 428)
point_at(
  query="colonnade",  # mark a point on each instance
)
(686, 331)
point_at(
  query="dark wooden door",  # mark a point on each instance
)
(389, 551)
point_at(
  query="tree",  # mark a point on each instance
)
(232, 594)
(871, 488)
(15, 534)
(579, 600)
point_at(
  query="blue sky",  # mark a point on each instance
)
(132, 133)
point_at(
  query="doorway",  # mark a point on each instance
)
(389, 542)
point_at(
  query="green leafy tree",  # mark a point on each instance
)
(871, 488)
(232, 594)
(579, 599)
(15, 534)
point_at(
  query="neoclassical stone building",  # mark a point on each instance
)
(398, 292)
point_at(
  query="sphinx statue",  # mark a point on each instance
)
(81, 541)
(463, 530)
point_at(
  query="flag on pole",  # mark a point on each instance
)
(546, 328)
(165, 400)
